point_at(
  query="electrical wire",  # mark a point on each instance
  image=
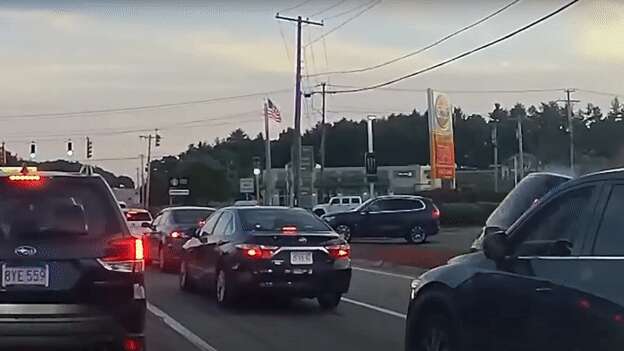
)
(338, 3)
(295, 7)
(425, 48)
(286, 47)
(370, 6)
(460, 56)
(596, 92)
(340, 14)
(137, 108)
(451, 91)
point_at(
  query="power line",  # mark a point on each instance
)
(284, 41)
(451, 91)
(295, 7)
(425, 48)
(370, 6)
(460, 56)
(338, 3)
(135, 108)
(596, 92)
(340, 14)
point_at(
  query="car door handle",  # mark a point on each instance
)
(543, 289)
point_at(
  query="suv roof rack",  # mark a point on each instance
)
(87, 170)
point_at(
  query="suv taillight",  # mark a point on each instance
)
(257, 252)
(124, 255)
(435, 214)
(339, 251)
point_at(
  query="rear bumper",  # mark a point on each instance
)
(66, 325)
(294, 284)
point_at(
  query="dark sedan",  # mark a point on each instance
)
(549, 282)
(414, 218)
(171, 228)
(267, 250)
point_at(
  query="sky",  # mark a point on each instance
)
(66, 56)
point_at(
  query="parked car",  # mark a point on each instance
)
(243, 251)
(337, 204)
(548, 282)
(524, 195)
(138, 221)
(171, 228)
(72, 275)
(414, 218)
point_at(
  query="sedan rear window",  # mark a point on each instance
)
(138, 217)
(275, 220)
(191, 216)
(56, 207)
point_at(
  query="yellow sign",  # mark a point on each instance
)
(441, 139)
(16, 170)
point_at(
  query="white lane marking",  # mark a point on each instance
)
(376, 308)
(396, 275)
(180, 329)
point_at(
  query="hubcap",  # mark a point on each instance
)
(221, 286)
(345, 231)
(436, 340)
(417, 234)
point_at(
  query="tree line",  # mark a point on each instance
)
(403, 139)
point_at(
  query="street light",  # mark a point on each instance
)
(256, 172)
(369, 124)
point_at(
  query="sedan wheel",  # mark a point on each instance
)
(417, 235)
(185, 282)
(345, 231)
(162, 264)
(225, 291)
(436, 335)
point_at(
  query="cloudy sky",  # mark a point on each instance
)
(64, 56)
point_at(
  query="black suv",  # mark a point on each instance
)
(411, 217)
(72, 275)
(552, 281)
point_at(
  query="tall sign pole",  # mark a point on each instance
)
(268, 179)
(296, 162)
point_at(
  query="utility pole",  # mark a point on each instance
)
(3, 156)
(495, 144)
(268, 176)
(142, 179)
(296, 162)
(148, 168)
(322, 188)
(520, 147)
(569, 101)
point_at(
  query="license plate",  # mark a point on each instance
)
(301, 258)
(25, 276)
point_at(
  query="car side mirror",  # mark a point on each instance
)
(496, 246)
(146, 225)
(203, 239)
(561, 248)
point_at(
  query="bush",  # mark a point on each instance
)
(462, 213)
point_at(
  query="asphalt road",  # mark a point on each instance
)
(370, 317)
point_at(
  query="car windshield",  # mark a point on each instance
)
(55, 207)
(191, 216)
(138, 216)
(278, 220)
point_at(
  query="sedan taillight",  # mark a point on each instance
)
(339, 251)
(124, 255)
(258, 252)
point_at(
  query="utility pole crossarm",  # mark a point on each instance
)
(298, 19)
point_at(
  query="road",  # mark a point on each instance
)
(370, 317)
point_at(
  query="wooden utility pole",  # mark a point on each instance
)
(570, 117)
(296, 161)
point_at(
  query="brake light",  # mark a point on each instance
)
(289, 229)
(25, 178)
(339, 251)
(260, 252)
(435, 214)
(175, 234)
(132, 344)
(124, 255)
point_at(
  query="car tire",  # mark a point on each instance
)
(163, 263)
(345, 231)
(416, 235)
(225, 292)
(185, 281)
(433, 332)
(329, 301)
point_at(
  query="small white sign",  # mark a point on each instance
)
(179, 192)
(247, 185)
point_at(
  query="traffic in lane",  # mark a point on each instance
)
(370, 317)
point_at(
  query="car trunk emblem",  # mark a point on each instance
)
(303, 240)
(25, 251)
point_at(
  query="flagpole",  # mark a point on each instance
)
(268, 180)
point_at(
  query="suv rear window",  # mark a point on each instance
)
(190, 216)
(274, 220)
(55, 207)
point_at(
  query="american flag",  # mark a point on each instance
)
(271, 111)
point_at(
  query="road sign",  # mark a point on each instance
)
(247, 185)
(179, 192)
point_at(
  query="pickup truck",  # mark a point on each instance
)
(337, 204)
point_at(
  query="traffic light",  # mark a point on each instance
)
(370, 163)
(70, 148)
(157, 143)
(89, 148)
(33, 150)
(256, 162)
